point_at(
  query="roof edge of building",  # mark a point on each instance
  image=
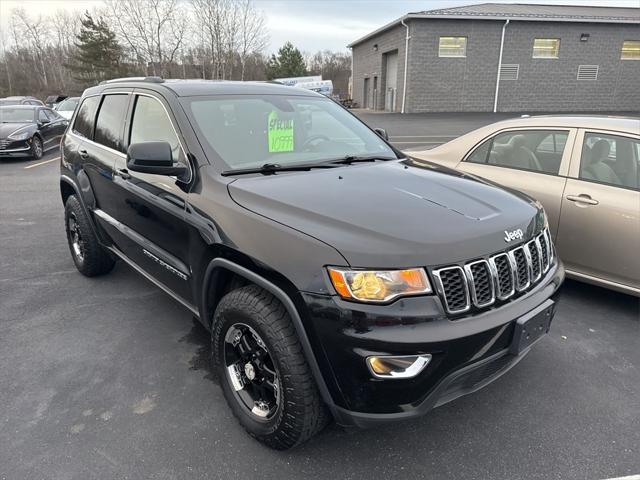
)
(512, 18)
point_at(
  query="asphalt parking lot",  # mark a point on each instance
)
(107, 377)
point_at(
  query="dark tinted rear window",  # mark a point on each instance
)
(84, 119)
(110, 121)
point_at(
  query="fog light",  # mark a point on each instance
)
(405, 366)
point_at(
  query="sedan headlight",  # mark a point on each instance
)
(20, 135)
(378, 286)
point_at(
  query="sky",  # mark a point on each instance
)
(314, 25)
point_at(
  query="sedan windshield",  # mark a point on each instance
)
(247, 131)
(16, 115)
(68, 105)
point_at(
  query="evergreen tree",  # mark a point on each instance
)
(289, 62)
(98, 53)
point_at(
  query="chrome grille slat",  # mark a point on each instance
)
(504, 276)
(451, 282)
(481, 282)
(534, 252)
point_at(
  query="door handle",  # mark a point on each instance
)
(123, 173)
(83, 153)
(582, 198)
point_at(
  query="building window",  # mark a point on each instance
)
(546, 47)
(630, 50)
(452, 47)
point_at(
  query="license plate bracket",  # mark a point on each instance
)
(532, 327)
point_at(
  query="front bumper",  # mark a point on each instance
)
(18, 148)
(467, 353)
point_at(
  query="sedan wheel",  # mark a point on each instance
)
(36, 148)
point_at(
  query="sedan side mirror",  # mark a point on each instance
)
(382, 132)
(43, 121)
(155, 158)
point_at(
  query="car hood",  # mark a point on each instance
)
(7, 129)
(66, 114)
(393, 214)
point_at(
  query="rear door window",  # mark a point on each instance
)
(110, 122)
(83, 124)
(533, 150)
(610, 159)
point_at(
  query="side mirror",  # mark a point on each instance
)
(43, 121)
(153, 157)
(382, 132)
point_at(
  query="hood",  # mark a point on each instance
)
(7, 129)
(393, 214)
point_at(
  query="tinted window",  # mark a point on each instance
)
(110, 121)
(83, 124)
(42, 116)
(151, 124)
(535, 150)
(610, 159)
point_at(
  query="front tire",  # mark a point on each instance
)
(36, 148)
(90, 258)
(264, 375)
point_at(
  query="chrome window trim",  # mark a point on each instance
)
(494, 267)
(472, 283)
(440, 288)
(96, 144)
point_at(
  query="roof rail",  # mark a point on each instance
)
(133, 79)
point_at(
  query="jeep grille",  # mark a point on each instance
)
(481, 283)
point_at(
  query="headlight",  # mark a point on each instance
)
(378, 285)
(23, 135)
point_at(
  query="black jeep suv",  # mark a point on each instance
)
(338, 278)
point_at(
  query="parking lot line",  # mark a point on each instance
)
(41, 163)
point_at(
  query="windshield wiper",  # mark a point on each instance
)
(271, 168)
(349, 159)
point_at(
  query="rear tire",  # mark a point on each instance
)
(36, 148)
(90, 258)
(296, 412)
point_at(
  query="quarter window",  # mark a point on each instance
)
(42, 116)
(452, 47)
(534, 150)
(151, 124)
(110, 121)
(630, 50)
(546, 47)
(610, 159)
(83, 124)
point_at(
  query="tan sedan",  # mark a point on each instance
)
(585, 172)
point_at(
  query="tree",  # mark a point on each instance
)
(289, 62)
(253, 34)
(98, 54)
(153, 30)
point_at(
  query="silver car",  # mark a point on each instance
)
(585, 172)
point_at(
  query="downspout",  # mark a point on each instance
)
(495, 99)
(406, 64)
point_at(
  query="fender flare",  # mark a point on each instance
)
(291, 310)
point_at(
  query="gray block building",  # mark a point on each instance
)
(502, 57)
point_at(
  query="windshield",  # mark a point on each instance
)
(16, 115)
(68, 105)
(247, 131)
